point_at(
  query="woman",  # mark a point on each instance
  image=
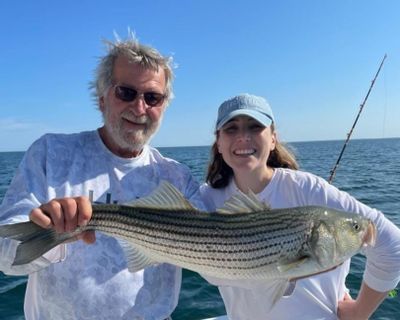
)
(247, 155)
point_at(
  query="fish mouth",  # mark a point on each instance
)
(369, 237)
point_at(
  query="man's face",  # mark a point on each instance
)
(128, 125)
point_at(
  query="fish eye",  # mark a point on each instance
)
(356, 226)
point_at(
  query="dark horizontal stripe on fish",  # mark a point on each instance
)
(140, 220)
(165, 232)
(190, 247)
(267, 251)
(243, 263)
(190, 218)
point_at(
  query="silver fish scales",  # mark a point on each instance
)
(230, 246)
(243, 240)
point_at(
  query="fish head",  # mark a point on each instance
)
(337, 236)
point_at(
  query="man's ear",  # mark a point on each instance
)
(101, 103)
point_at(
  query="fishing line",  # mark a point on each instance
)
(333, 171)
(384, 103)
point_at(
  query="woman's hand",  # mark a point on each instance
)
(363, 307)
(348, 309)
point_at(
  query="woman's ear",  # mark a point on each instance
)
(217, 142)
(274, 138)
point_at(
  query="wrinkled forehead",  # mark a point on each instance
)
(130, 73)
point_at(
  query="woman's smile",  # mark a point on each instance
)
(244, 152)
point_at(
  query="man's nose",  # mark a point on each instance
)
(138, 106)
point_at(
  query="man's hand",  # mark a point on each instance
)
(65, 215)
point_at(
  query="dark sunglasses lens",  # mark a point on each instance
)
(125, 94)
(153, 98)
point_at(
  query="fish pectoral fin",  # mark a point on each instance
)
(135, 259)
(285, 266)
(165, 196)
(243, 203)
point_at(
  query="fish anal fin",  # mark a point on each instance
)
(274, 289)
(136, 260)
(279, 292)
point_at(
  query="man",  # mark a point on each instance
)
(133, 86)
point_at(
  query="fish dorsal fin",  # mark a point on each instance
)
(165, 196)
(243, 203)
(135, 259)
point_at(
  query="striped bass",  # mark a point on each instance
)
(243, 240)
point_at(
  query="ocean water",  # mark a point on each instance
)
(369, 170)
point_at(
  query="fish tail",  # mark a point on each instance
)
(34, 240)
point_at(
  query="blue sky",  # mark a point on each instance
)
(312, 60)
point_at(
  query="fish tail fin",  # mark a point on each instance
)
(19, 231)
(34, 240)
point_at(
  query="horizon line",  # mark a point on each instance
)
(286, 142)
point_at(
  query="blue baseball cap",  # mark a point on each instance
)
(245, 105)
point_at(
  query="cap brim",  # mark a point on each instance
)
(262, 118)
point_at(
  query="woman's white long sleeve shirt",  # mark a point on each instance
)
(315, 297)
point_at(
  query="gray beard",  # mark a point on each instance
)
(133, 140)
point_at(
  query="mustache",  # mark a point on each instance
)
(132, 118)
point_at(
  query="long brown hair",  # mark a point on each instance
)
(219, 173)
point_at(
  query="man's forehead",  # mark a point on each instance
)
(130, 70)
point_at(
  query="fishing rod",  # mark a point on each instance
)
(333, 171)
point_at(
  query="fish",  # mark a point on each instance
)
(245, 239)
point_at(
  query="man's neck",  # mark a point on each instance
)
(123, 152)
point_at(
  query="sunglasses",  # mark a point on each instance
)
(152, 99)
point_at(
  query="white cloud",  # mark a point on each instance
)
(17, 134)
(11, 124)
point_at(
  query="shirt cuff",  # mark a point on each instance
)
(56, 254)
(379, 284)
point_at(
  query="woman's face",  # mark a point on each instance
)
(245, 144)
